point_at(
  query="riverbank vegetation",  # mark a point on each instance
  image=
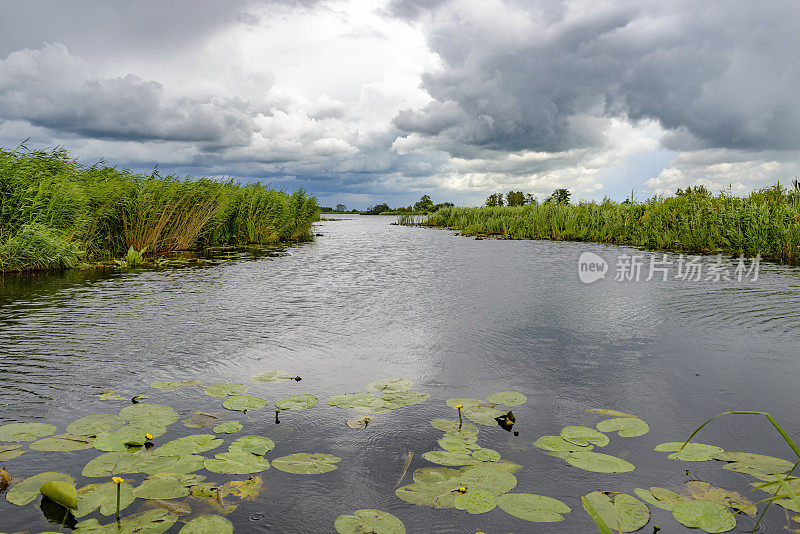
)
(422, 206)
(766, 222)
(57, 213)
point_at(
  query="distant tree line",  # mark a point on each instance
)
(518, 198)
(424, 205)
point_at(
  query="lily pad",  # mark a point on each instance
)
(166, 486)
(207, 524)
(465, 403)
(25, 431)
(228, 427)
(390, 385)
(8, 452)
(625, 513)
(272, 375)
(62, 443)
(482, 415)
(92, 425)
(28, 489)
(703, 491)
(236, 463)
(448, 425)
(193, 444)
(535, 508)
(402, 398)
(184, 464)
(615, 413)
(156, 415)
(559, 444)
(660, 497)
(596, 462)
(297, 402)
(61, 492)
(705, 515)
(358, 423)
(475, 501)
(508, 398)
(435, 475)
(450, 458)
(455, 445)
(172, 384)
(351, 400)
(627, 427)
(223, 389)
(583, 435)
(692, 452)
(751, 463)
(373, 521)
(305, 463)
(129, 436)
(117, 463)
(244, 403)
(103, 496)
(201, 420)
(438, 495)
(495, 481)
(486, 455)
(257, 445)
(247, 490)
(150, 522)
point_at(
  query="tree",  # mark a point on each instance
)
(341, 208)
(559, 196)
(377, 209)
(515, 198)
(495, 199)
(530, 200)
(425, 204)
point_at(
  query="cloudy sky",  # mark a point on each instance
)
(362, 102)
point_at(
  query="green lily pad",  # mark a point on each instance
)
(223, 389)
(751, 463)
(559, 444)
(25, 431)
(166, 486)
(482, 415)
(455, 445)
(660, 497)
(244, 489)
(62, 443)
(627, 427)
(535, 508)
(172, 384)
(244, 403)
(508, 398)
(184, 464)
(435, 475)
(465, 403)
(351, 400)
(252, 445)
(390, 385)
(705, 515)
(156, 415)
(373, 521)
(305, 463)
(103, 496)
(236, 463)
(475, 501)
(693, 452)
(402, 398)
(450, 425)
(486, 455)
(486, 478)
(450, 458)
(110, 395)
(625, 513)
(297, 402)
(8, 452)
(61, 492)
(703, 491)
(28, 489)
(117, 463)
(615, 413)
(596, 462)
(92, 425)
(201, 420)
(155, 521)
(438, 495)
(193, 444)
(129, 436)
(583, 435)
(272, 375)
(207, 524)
(228, 427)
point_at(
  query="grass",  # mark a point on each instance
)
(56, 213)
(766, 222)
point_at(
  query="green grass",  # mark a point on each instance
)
(55, 212)
(766, 222)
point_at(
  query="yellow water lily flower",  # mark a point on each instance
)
(148, 436)
(117, 480)
(459, 406)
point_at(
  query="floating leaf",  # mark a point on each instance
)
(486, 478)
(703, 491)
(223, 389)
(705, 515)
(305, 463)
(660, 497)
(247, 490)
(229, 427)
(373, 521)
(132, 435)
(27, 490)
(559, 444)
(62, 443)
(25, 431)
(441, 495)
(625, 513)
(117, 463)
(252, 445)
(508, 398)
(627, 427)
(596, 462)
(8, 452)
(486, 455)
(435, 475)
(450, 458)
(172, 384)
(243, 403)
(390, 385)
(208, 524)
(61, 492)
(536, 508)
(483, 415)
(193, 444)
(201, 420)
(614, 413)
(184, 464)
(109, 395)
(166, 486)
(751, 463)
(450, 425)
(271, 376)
(583, 435)
(465, 403)
(692, 452)
(297, 402)
(236, 463)
(402, 398)
(149, 522)
(475, 501)
(156, 415)
(103, 496)
(351, 400)
(92, 425)
(453, 444)
(358, 423)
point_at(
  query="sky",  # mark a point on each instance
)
(362, 102)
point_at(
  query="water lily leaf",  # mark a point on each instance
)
(305, 463)
(25, 431)
(246, 490)
(485, 478)
(156, 415)
(207, 524)
(465, 403)
(450, 425)
(450, 458)
(272, 375)
(475, 501)
(627, 427)
(252, 445)
(486, 455)
(660, 497)
(358, 423)
(583, 435)
(173, 464)
(297, 402)
(243, 403)
(693, 452)
(92, 425)
(117, 463)
(703, 491)
(705, 515)
(614, 413)
(228, 427)
(508, 398)
(530, 507)
(436, 495)
(596, 462)
(194, 444)
(166, 486)
(201, 420)
(373, 521)
(625, 513)
(351, 400)
(109, 395)
(751, 463)
(483, 415)
(62, 443)
(453, 444)
(559, 444)
(103, 496)
(375, 407)
(402, 398)
(390, 385)
(61, 492)
(223, 389)
(129, 436)
(172, 384)
(8, 452)
(150, 522)
(27, 490)
(236, 463)
(435, 475)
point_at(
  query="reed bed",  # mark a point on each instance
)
(57, 213)
(767, 222)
